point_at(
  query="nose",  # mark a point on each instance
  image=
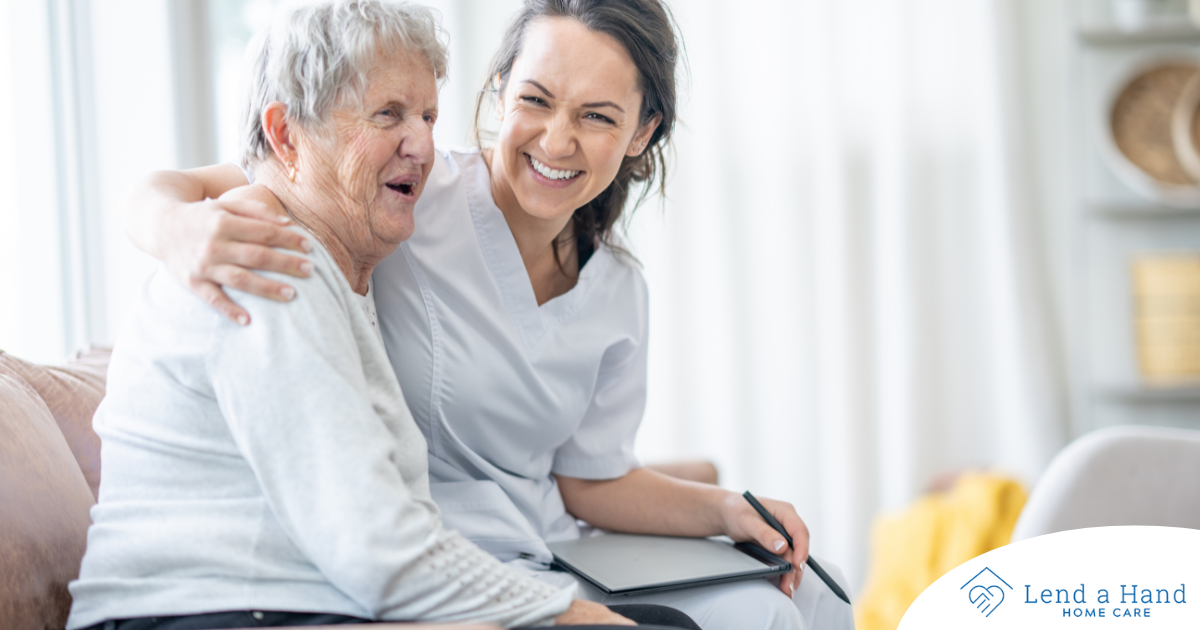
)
(417, 144)
(559, 139)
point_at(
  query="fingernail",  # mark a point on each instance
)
(284, 220)
(287, 293)
(243, 320)
(306, 268)
(779, 545)
(306, 245)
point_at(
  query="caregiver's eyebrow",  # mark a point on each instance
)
(605, 104)
(538, 86)
(600, 104)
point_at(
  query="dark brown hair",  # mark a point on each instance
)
(646, 29)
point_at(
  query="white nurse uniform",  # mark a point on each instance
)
(509, 393)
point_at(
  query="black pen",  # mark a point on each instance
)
(762, 511)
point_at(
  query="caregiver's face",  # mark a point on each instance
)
(569, 115)
(380, 148)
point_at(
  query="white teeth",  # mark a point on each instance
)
(550, 173)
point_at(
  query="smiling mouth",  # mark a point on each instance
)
(403, 189)
(551, 174)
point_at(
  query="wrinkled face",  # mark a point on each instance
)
(569, 115)
(372, 159)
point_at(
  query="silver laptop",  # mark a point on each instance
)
(628, 564)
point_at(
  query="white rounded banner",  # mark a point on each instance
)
(1112, 577)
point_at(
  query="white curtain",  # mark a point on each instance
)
(852, 278)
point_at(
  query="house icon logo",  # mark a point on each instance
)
(985, 591)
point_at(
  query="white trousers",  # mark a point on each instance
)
(747, 605)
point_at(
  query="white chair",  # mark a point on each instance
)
(1129, 475)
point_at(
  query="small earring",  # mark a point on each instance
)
(291, 172)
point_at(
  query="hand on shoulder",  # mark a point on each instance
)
(222, 242)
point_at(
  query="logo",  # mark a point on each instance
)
(1059, 580)
(985, 592)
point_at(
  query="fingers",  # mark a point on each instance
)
(262, 258)
(790, 583)
(212, 293)
(768, 538)
(797, 552)
(787, 583)
(270, 233)
(786, 514)
(241, 279)
(771, 540)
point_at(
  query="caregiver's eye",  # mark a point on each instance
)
(600, 117)
(533, 99)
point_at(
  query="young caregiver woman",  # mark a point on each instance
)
(517, 329)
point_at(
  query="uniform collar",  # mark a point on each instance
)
(534, 323)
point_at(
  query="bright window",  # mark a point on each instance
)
(10, 330)
(233, 23)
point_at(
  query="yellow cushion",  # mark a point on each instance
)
(912, 549)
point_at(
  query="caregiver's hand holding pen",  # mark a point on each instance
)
(760, 531)
(647, 502)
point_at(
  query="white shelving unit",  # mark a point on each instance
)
(1157, 34)
(1113, 224)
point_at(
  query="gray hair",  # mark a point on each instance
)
(315, 56)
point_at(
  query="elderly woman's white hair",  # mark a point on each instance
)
(317, 55)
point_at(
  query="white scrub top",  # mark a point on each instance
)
(508, 392)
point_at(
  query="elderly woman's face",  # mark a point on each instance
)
(379, 152)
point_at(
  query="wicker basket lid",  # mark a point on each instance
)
(1141, 121)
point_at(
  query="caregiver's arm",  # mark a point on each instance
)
(647, 502)
(602, 482)
(206, 242)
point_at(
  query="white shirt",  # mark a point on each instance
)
(274, 466)
(507, 392)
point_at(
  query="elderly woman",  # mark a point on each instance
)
(272, 474)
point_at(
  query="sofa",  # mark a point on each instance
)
(50, 478)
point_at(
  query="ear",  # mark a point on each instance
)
(499, 99)
(278, 130)
(638, 144)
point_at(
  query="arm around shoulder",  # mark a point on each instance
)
(149, 205)
(209, 238)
